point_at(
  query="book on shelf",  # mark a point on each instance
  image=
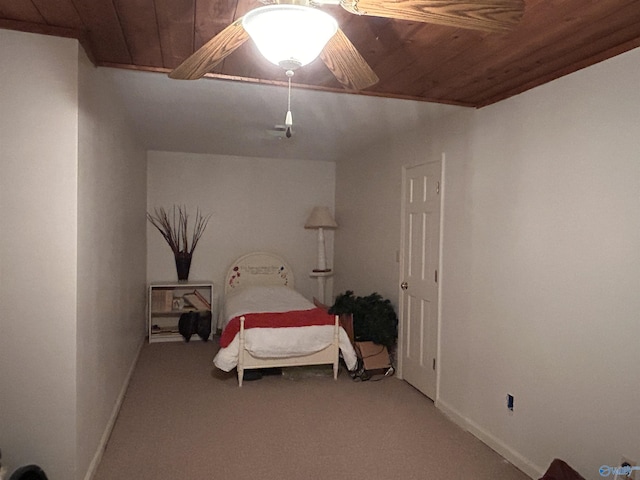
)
(203, 299)
(158, 329)
(161, 300)
(194, 300)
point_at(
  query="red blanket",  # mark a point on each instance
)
(299, 318)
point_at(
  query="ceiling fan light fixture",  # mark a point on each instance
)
(290, 36)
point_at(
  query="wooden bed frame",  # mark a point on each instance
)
(262, 268)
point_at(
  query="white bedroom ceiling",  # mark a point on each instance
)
(234, 118)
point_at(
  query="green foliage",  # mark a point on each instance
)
(374, 318)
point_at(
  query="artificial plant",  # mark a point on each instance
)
(374, 318)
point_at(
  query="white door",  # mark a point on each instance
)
(419, 275)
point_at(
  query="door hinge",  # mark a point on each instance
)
(436, 276)
(437, 188)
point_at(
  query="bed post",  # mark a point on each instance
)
(336, 347)
(241, 352)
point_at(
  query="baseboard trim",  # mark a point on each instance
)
(515, 458)
(102, 445)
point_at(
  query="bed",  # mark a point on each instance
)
(267, 323)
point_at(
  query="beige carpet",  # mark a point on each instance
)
(184, 419)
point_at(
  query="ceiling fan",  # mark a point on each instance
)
(336, 51)
(279, 131)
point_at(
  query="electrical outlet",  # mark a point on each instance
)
(628, 470)
(510, 402)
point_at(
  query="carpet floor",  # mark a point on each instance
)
(184, 419)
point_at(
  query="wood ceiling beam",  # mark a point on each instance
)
(259, 81)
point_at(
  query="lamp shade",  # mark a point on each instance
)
(320, 218)
(289, 35)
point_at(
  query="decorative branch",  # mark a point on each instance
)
(174, 230)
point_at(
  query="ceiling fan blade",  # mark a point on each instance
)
(211, 53)
(489, 15)
(346, 63)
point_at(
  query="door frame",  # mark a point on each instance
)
(402, 259)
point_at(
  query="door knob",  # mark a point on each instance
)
(404, 285)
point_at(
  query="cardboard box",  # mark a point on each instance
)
(375, 357)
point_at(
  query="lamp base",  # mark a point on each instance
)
(321, 276)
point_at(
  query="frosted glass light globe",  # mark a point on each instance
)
(289, 35)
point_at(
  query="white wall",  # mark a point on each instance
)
(541, 265)
(541, 280)
(368, 204)
(111, 259)
(38, 218)
(257, 204)
(72, 255)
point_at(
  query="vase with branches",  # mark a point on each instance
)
(174, 228)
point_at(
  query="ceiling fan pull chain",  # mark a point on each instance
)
(289, 118)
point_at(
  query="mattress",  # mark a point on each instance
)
(278, 339)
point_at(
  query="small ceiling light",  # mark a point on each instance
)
(289, 35)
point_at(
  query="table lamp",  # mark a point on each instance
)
(320, 219)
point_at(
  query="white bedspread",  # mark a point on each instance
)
(277, 342)
(263, 299)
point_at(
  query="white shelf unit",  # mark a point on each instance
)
(166, 303)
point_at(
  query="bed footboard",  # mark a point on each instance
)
(329, 355)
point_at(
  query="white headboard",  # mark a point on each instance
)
(258, 268)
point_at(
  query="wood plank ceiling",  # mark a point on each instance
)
(415, 61)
